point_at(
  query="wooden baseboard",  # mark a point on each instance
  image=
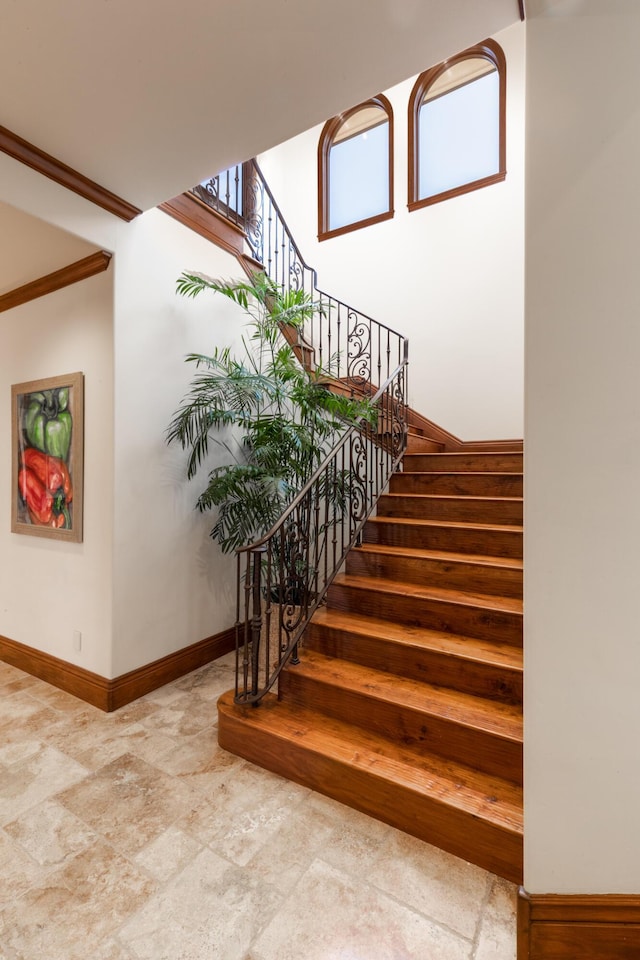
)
(111, 694)
(588, 927)
(453, 444)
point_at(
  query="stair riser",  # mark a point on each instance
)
(417, 729)
(475, 577)
(455, 509)
(422, 445)
(482, 679)
(448, 462)
(498, 543)
(489, 845)
(472, 621)
(459, 484)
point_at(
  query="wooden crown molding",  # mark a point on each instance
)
(80, 270)
(591, 927)
(202, 219)
(106, 694)
(48, 166)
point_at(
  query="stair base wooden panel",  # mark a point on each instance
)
(406, 702)
(472, 815)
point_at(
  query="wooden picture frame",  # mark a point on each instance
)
(47, 457)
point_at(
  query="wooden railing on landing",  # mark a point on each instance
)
(284, 576)
(345, 344)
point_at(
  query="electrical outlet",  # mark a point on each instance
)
(77, 641)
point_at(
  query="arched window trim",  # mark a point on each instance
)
(325, 142)
(489, 50)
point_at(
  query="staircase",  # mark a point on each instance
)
(407, 700)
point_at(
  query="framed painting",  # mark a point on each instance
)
(47, 453)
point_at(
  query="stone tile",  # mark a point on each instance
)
(183, 717)
(135, 739)
(129, 802)
(13, 684)
(329, 914)
(79, 905)
(132, 713)
(50, 834)
(81, 732)
(164, 696)
(57, 699)
(93, 736)
(18, 871)
(19, 750)
(243, 812)
(439, 885)
(34, 779)
(135, 833)
(209, 683)
(168, 853)
(200, 761)
(286, 855)
(21, 714)
(209, 911)
(497, 938)
(109, 950)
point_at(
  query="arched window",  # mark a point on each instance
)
(355, 168)
(457, 126)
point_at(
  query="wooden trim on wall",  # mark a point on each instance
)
(48, 166)
(591, 927)
(106, 694)
(80, 270)
(522, 10)
(432, 431)
(196, 215)
(130, 686)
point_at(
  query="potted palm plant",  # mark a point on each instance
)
(282, 415)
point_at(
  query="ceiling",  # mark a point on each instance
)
(148, 97)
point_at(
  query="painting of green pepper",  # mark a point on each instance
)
(47, 457)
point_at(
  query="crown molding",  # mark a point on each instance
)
(80, 270)
(25, 152)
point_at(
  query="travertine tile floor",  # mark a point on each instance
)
(133, 835)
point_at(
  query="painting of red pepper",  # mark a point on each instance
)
(47, 457)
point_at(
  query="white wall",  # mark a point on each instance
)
(172, 584)
(50, 588)
(582, 703)
(449, 276)
(148, 579)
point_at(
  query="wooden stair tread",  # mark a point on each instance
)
(424, 638)
(427, 497)
(462, 597)
(488, 560)
(489, 474)
(502, 719)
(464, 524)
(479, 795)
(471, 454)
